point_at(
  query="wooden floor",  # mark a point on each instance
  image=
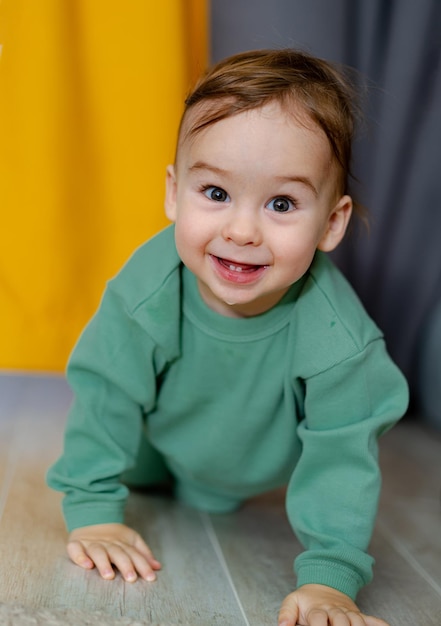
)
(229, 569)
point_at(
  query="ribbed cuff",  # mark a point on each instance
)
(331, 574)
(92, 514)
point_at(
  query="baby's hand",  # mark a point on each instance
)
(104, 545)
(318, 605)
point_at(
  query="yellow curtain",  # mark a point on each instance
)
(91, 92)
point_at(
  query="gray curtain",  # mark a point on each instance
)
(396, 46)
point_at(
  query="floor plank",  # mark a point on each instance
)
(398, 593)
(410, 507)
(259, 547)
(31, 530)
(192, 578)
(6, 460)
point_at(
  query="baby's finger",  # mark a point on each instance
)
(123, 557)
(319, 617)
(289, 611)
(144, 567)
(103, 562)
(338, 617)
(355, 619)
(78, 555)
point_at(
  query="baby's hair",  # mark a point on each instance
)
(252, 79)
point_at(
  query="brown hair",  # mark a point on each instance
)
(252, 79)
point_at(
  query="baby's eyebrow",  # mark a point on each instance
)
(201, 165)
(304, 180)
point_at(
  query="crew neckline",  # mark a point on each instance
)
(240, 329)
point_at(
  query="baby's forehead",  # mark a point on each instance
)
(205, 114)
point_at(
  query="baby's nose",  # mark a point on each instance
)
(242, 227)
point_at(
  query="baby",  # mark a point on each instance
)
(230, 356)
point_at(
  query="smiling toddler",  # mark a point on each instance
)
(229, 355)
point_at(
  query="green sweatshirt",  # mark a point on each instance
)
(297, 396)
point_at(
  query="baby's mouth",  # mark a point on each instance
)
(237, 273)
(233, 266)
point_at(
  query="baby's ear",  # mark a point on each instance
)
(170, 193)
(338, 221)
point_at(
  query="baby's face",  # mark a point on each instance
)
(253, 197)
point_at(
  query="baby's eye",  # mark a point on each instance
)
(281, 204)
(217, 194)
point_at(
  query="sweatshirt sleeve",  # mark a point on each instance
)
(112, 373)
(333, 494)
